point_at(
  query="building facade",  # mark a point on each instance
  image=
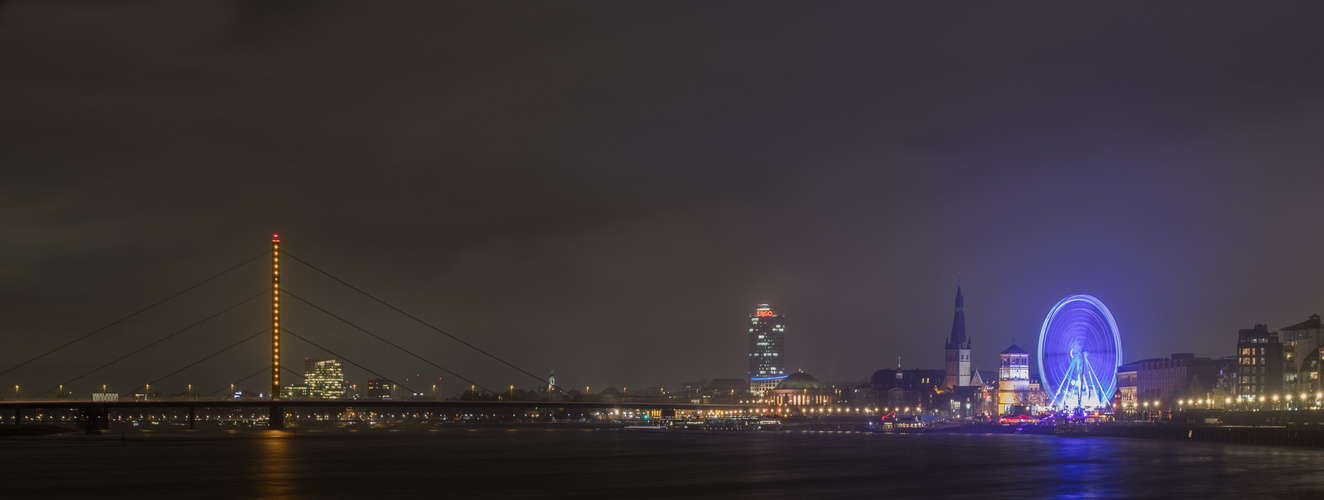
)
(1301, 343)
(1014, 394)
(801, 389)
(325, 378)
(958, 348)
(322, 379)
(906, 388)
(1126, 399)
(1226, 388)
(295, 392)
(767, 349)
(1182, 376)
(1259, 365)
(1310, 375)
(379, 388)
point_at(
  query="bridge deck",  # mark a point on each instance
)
(344, 403)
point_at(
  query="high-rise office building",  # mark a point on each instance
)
(325, 379)
(958, 348)
(767, 349)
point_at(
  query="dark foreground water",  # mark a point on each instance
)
(579, 463)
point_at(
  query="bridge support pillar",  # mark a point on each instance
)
(277, 418)
(192, 417)
(95, 420)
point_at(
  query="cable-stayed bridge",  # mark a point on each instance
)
(94, 413)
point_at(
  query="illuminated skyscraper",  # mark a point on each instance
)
(767, 349)
(325, 378)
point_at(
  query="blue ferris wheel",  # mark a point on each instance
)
(1079, 352)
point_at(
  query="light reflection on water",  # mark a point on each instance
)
(275, 466)
(577, 463)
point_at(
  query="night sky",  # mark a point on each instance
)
(607, 189)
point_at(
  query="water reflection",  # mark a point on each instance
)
(1078, 470)
(275, 466)
(575, 463)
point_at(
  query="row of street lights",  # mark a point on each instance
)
(1287, 400)
(147, 390)
(1228, 402)
(829, 410)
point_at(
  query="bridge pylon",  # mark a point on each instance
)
(277, 416)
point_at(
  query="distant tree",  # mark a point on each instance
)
(479, 395)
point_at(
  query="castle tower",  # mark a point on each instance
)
(958, 347)
(1014, 381)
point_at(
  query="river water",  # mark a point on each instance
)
(604, 463)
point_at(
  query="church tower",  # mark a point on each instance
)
(958, 347)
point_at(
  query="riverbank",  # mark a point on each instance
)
(1249, 435)
(33, 430)
(1253, 435)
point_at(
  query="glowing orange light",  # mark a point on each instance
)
(275, 316)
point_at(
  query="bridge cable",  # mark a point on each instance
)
(292, 372)
(140, 311)
(392, 344)
(209, 356)
(162, 339)
(256, 373)
(286, 330)
(415, 318)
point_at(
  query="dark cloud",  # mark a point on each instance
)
(605, 190)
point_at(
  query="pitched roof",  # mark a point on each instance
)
(1313, 322)
(1014, 349)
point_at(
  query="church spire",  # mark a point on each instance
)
(958, 347)
(958, 339)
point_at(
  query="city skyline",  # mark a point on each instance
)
(577, 192)
(766, 321)
(693, 249)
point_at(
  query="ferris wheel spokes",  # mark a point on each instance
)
(1079, 384)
